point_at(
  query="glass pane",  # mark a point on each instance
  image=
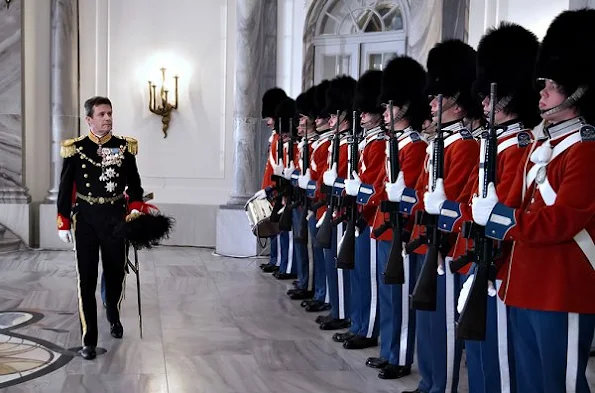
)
(386, 57)
(344, 65)
(375, 61)
(344, 17)
(394, 20)
(333, 65)
(375, 25)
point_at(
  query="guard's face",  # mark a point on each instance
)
(499, 116)
(270, 122)
(386, 114)
(552, 95)
(101, 121)
(332, 122)
(304, 125)
(450, 110)
(370, 120)
(322, 124)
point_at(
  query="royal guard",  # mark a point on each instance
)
(279, 243)
(550, 283)
(367, 176)
(312, 183)
(515, 115)
(451, 72)
(339, 97)
(403, 83)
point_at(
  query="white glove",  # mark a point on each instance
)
(278, 169)
(303, 180)
(491, 289)
(395, 190)
(465, 293)
(260, 194)
(65, 235)
(352, 186)
(287, 172)
(330, 176)
(433, 200)
(482, 207)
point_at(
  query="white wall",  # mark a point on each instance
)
(123, 44)
(290, 35)
(534, 15)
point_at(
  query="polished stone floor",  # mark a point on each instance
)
(211, 325)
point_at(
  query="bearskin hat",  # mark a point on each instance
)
(367, 91)
(567, 56)
(339, 95)
(320, 99)
(404, 81)
(451, 72)
(305, 103)
(513, 74)
(285, 111)
(270, 100)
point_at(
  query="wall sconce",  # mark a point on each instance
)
(165, 109)
(7, 3)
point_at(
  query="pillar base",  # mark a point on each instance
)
(234, 235)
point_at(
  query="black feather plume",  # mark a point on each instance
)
(146, 230)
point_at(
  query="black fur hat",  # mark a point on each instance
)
(404, 81)
(506, 55)
(367, 91)
(339, 96)
(286, 110)
(320, 99)
(451, 71)
(567, 56)
(305, 103)
(270, 100)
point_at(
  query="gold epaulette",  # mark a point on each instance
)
(68, 147)
(131, 145)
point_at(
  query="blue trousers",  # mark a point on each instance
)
(364, 288)
(490, 363)
(551, 350)
(285, 252)
(339, 287)
(319, 263)
(103, 288)
(438, 351)
(397, 320)
(301, 253)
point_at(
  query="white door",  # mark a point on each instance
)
(374, 56)
(334, 60)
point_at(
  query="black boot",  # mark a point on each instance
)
(360, 342)
(88, 352)
(376, 362)
(335, 324)
(318, 307)
(342, 337)
(323, 318)
(392, 371)
(301, 294)
(116, 330)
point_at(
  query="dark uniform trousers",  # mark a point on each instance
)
(93, 231)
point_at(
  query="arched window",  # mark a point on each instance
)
(352, 36)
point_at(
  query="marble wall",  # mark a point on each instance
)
(11, 140)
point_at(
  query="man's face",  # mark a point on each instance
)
(386, 114)
(101, 121)
(552, 95)
(322, 124)
(332, 122)
(270, 122)
(450, 111)
(369, 120)
(304, 125)
(499, 117)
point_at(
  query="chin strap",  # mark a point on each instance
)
(568, 102)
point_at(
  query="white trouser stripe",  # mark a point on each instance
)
(373, 287)
(502, 342)
(290, 254)
(341, 284)
(310, 250)
(404, 311)
(572, 353)
(278, 250)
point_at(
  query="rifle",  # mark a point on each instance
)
(305, 201)
(424, 293)
(394, 272)
(472, 320)
(325, 231)
(279, 180)
(285, 223)
(346, 253)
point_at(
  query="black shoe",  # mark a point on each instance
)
(301, 294)
(392, 371)
(270, 268)
(262, 265)
(335, 324)
(309, 302)
(293, 290)
(116, 330)
(285, 276)
(342, 337)
(360, 342)
(376, 362)
(318, 307)
(323, 318)
(88, 352)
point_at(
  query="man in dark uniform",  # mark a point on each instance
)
(97, 168)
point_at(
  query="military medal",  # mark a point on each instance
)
(541, 175)
(99, 150)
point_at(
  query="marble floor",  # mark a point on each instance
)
(211, 325)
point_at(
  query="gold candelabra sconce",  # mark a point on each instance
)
(165, 108)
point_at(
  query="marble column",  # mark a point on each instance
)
(12, 189)
(64, 84)
(248, 76)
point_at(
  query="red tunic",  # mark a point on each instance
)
(412, 153)
(552, 265)
(318, 165)
(372, 171)
(271, 160)
(511, 151)
(460, 157)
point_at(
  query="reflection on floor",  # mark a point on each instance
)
(211, 324)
